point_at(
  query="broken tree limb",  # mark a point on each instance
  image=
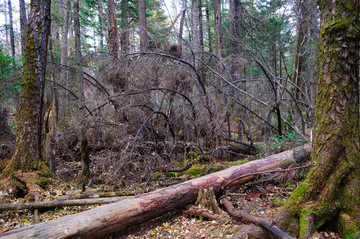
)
(201, 212)
(59, 203)
(129, 212)
(253, 219)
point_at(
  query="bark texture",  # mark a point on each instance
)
(23, 25)
(331, 190)
(64, 11)
(113, 38)
(102, 21)
(12, 38)
(143, 27)
(125, 31)
(27, 154)
(129, 212)
(59, 203)
(195, 26)
(218, 27)
(182, 21)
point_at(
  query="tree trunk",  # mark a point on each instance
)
(64, 11)
(125, 31)
(314, 36)
(182, 20)
(117, 216)
(143, 26)
(6, 27)
(218, 27)
(103, 26)
(80, 79)
(195, 27)
(331, 191)
(113, 38)
(51, 119)
(28, 149)
(201, 29)
(12, 38)
(235, 20)
(207, 11)
(23, 25)
(301, 48)
(5, 130)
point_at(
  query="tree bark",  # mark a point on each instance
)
(64, 11)
(143, 26)
(80, 79)
(218, 27)
(103, 26)
(235, 20)
(12, 38)
(28, 147)
(182, 20)
(125, 31)
(331, 191)
(195, 27)
(201, 28)
(6, 27)
(207, 11)
(23, 25)
(59, 203)
(113, 38)
(50, 136)
(117, 216)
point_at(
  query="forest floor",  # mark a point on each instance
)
(259, 199)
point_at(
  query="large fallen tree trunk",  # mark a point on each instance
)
(120, 215)
(59, 203)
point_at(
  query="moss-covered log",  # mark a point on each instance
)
(331, 191)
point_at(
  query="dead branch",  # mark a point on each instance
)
(182, 169)
(253, 219)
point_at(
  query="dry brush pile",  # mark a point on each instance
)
(145, 110)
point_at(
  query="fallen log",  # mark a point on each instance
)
(59, 203)
(255, 220)
(120, 215)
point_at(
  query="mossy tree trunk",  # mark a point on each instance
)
(27, 155)
(331, 191)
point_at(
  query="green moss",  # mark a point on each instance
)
(44, 182)
(105, 195)
(294, 202)
(156, 176)
(194, 171)
(279, 202)
(235, 163)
